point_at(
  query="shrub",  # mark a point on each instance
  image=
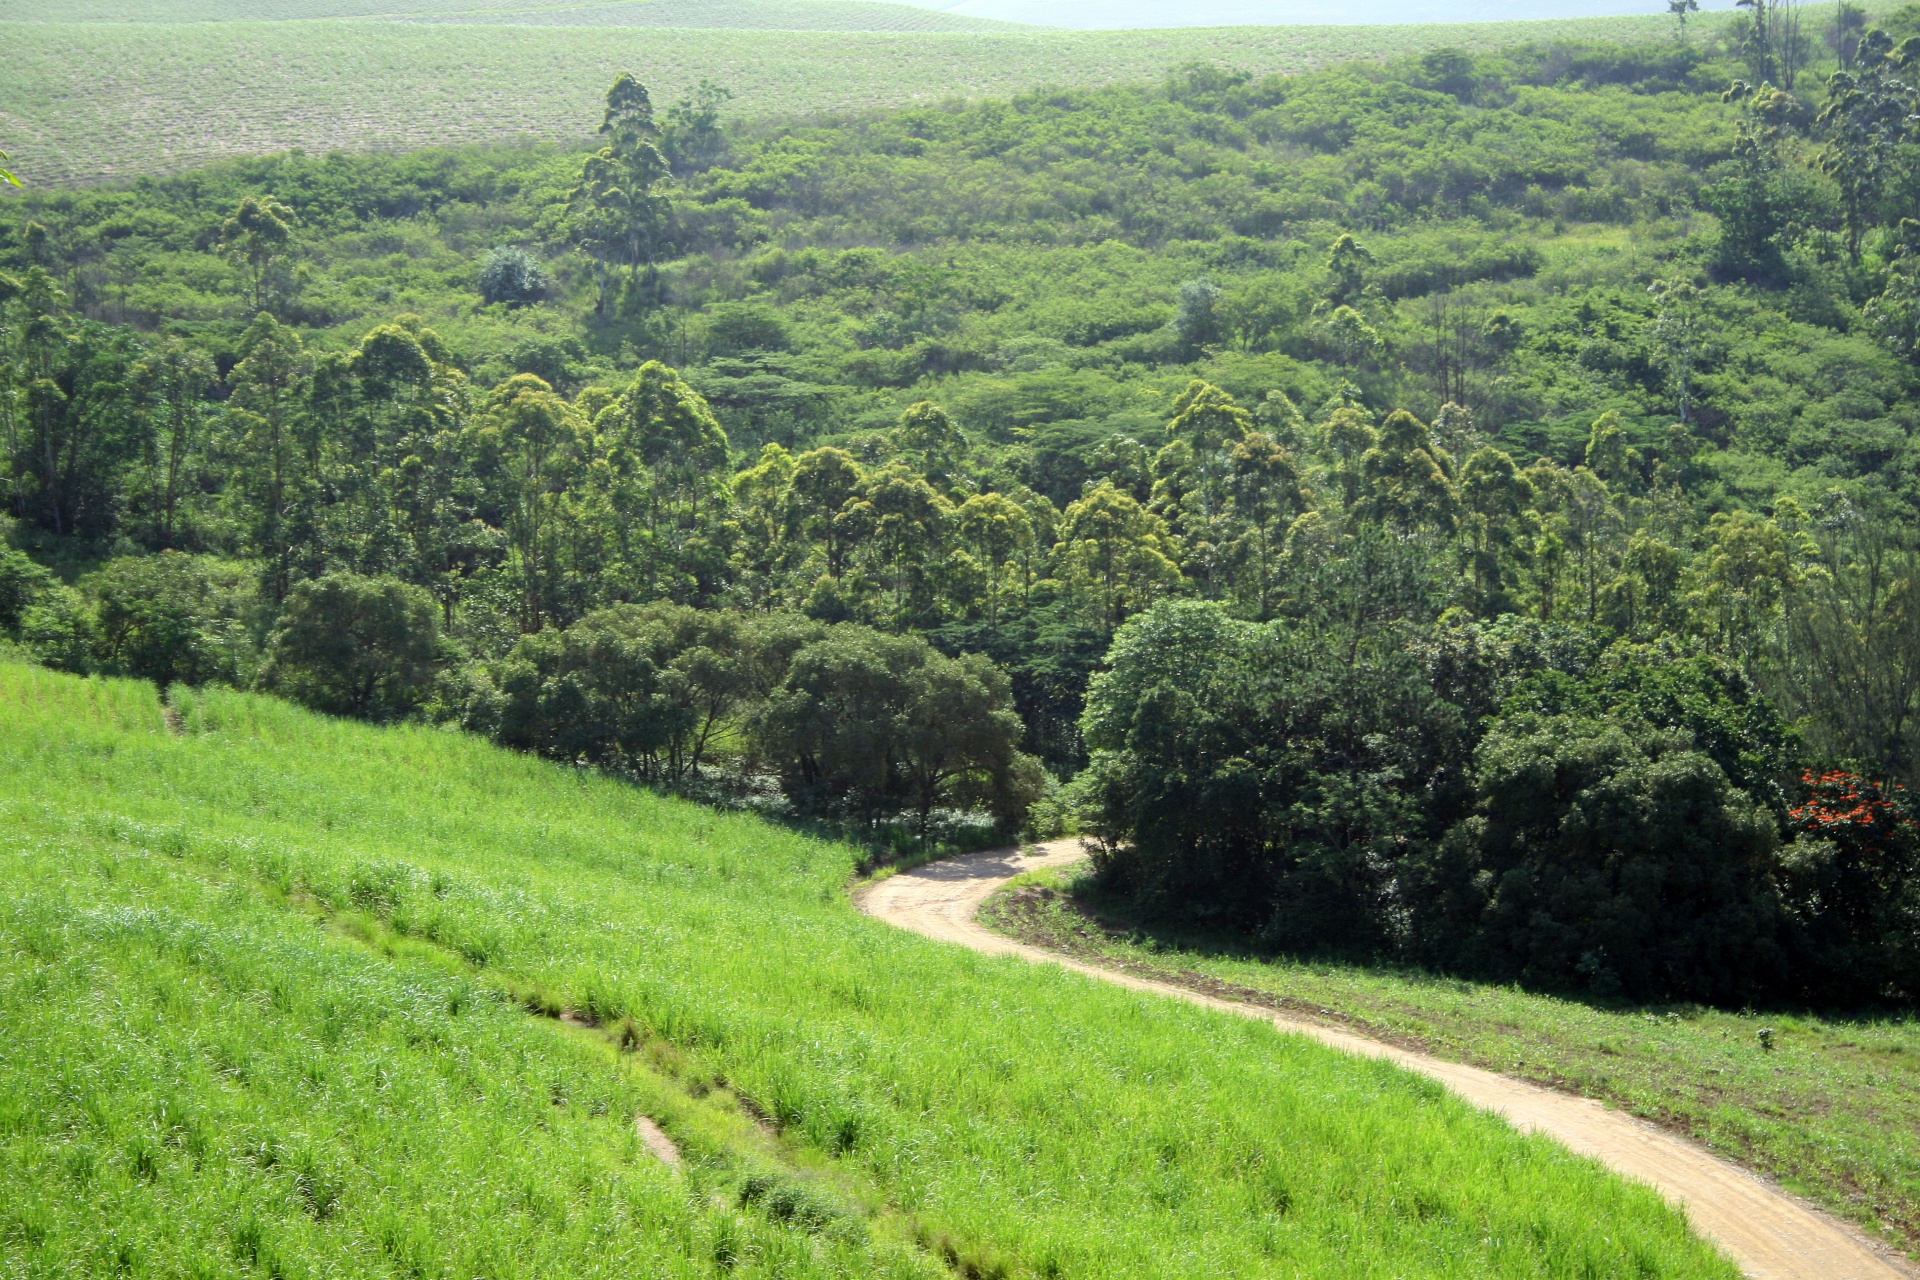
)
(355, 646)
(511, 275)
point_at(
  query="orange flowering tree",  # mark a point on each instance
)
(1854, 871)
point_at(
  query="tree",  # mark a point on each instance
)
(1117, 551)
(1196, 321)
(174, 381)
(1409, 478)
(666, 461)
(872, 721)
(825, 481)
(1680, 9)
(277, 466)
(999, 530)
(1347, 264)
(510, 275)
(21, 584)
(619, 209)
(355, 646)
(1614, 858)
(174, 618)
(1494, 497)
(693, 140)
(646, 688)
(255, 237)
(6, 175)
(1867, 115)
(1676, 336)
(534, 447)
(1753, 207)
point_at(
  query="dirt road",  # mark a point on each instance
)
(1771, 1234)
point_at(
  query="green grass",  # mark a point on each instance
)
(83, 102)
(258, 1016)
(1833, 1110)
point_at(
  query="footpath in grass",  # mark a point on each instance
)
(264, 1010)
(1828, 1105)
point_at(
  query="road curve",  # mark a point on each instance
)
(1772, 1235)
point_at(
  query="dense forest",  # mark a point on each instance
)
(1462, 511)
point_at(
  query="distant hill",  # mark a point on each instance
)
(92, 101)
(785, 15)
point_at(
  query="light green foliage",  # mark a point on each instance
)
(187, 1053)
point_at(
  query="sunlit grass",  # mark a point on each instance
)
(1832, 1107)
(188, 1030)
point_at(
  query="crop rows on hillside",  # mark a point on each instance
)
(788, 15)
(86, 102)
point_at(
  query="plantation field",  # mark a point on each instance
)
(1832, 1108)
(795, 15)
(268, 1007)
(84, 102)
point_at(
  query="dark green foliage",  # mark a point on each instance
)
(877, 722)
(511, 275)
(1449, 393)
(173, 618)
(1852, 874)
(642, 688)
(1610, 857)
(21, 583)
(356, 646)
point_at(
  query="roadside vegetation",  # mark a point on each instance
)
(275, 1007)
(1824, 1103)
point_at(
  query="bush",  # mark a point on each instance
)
(173, 618)
(511, 275)
(355, 646)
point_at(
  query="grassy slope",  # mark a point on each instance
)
(192, 1074)
(801, 15)
(1833, 1110)
(88, 101)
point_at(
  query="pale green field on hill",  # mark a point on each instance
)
(86, 102)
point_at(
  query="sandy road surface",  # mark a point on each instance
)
(1771, 1234)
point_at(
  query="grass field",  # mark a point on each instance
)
(264, 1010)
(83, 102)
(1832, 1109)
(794, 15)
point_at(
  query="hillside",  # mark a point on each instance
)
(90, 101)
(275, 1003)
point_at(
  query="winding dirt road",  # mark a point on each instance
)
(1772, 1235)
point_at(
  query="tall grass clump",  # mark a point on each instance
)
(205, 1067)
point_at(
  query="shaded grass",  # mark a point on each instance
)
(1832, 1109)
(84, 102)
(158, 894)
